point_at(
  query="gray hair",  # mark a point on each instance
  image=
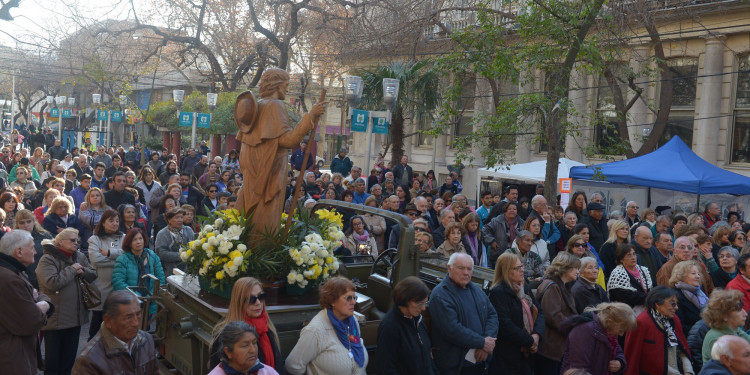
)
(617, 215)
(596, 195)
(444, 212)
(13, 240)
(309, 173)
(454, 257)
(116, 299)
(570, 213)
(732, 251)
(420, 199)
(721, 347)
(358, 180)
(629, 202)
(585, 261)
(376, 186)
(536, 200)
(524, 234)
(230, 335)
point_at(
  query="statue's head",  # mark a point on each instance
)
(272, 81)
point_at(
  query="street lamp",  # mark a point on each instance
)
(60, 102)
(211, 99)
(390, 92)
(353, 85)
(179, 98)
(96, 98)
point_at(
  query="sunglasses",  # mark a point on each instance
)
(260, 297)
(213, 191)
(577, 244)
(411, 213)
(351, 298)
(73, 240)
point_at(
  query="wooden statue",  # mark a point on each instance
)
(266, 137)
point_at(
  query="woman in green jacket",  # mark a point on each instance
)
(136, 261)
(725, 315)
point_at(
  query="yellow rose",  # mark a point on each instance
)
(219, 275)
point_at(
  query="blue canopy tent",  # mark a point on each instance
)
(673, 166)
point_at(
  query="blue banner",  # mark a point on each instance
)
(186, 119)
(144, 97)
(116, 116)
(204, 120)
(67, 113)
(360, 119)
(54, 112)
(379, 125)
(101, 115)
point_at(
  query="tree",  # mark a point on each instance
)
(419, 96)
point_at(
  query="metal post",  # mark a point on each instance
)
(370, 124)
(195, 125)
(12, 101)
(109, 126)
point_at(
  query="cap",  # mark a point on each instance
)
(593, 206)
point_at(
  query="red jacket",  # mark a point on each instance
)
(739, 283)
(645, 348)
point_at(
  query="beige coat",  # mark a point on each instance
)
(319, 351)
(446, 250)
(57, 279)
(351, 244)
(104, 265)
(376, 225)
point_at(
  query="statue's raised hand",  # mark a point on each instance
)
(317, 111)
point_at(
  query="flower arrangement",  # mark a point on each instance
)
(220, 254)
(312, 255)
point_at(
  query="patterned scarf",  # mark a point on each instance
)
(663, 321)
(528, 318)
(176, 234)
(348, 335)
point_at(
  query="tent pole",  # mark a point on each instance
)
(648, 204)
(698, 204)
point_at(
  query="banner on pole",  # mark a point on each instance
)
(116, 116)
(144, 97)
(67, 113)
(101, 115)
(204, 120)
(360, 118)
(379, 125)
(54, 112)
(186, 119)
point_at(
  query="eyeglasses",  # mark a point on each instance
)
(59, 171)
(578, 244)
(213, 191)
(351, 298)
(519, 268)
(636, 207)
(260, 297)
(423, 304)
(74, 240)
(411, 214)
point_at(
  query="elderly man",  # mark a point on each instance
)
(425, 212)
(82, 167)
(647, 254)
(730, 355)
(598, 231)
(447, 216)
(24, 310)
(663, 243)
(360, 195)
(102, 157)
(741, 282)
(201, 168)
(550, 233)
(356, 172)
(189, 162)
(468, 325)
(119, 347)
(631, 213)
(403, 172)
(711, 214)
(683, 250)
(661, 226)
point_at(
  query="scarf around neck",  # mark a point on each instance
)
(229, 370)
(361, 238)
(694, 294)
(663, 321)
(261, 326)
(348, 335)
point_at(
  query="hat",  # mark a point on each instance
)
(245, 111)
(593, 206)
(663, 210)
(343, 149)
(410, 207)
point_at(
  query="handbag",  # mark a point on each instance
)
(92, 297)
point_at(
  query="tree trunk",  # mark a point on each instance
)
(397, 136)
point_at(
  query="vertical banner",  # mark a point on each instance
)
(116, 116)
(360, 118)
(564, 187)
(186, 119)
(379, 125)
(144, 97)
(101, 115)
(54, 112)
(67, 113)
(204, 120)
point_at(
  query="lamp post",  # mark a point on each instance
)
(179, 97)
(60, 101)
(50, 102)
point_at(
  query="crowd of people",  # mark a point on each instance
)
(575, 291)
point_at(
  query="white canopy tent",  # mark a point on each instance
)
(531, 173)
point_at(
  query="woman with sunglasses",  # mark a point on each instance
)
(738, 239)
(25, 220)
(331, 343)
(57, 271)
(135, 261)
(105, 246)
(248, 304)
(578, 246)
(23, 180)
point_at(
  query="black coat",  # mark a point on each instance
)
(720, 278)
(598, 231)
(688, 313)
(403, 346)
(585, 295)
(114, 199)
(511, 338)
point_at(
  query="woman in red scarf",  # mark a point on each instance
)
(248, 305)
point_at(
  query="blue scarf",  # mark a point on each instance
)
(349, 336)
(231, 371)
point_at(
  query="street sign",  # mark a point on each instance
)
(360, 119)
(54, 112)
(186, 119)
(67, 113)
(204, 120)
(379, 125)
(101, 115)
(116, 116)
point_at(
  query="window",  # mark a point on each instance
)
(684, 85)
(606, 133)
(463, 121)
(508, 90)
(543, 144)
(741, 131)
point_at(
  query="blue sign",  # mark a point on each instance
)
(144, 97)
(67, 113)
(379, 125)
(186, 119)
(101, 115)
(116, 116)
(360, 119)
(54, 112)
(204, 120)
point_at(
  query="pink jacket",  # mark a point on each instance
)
(266, 370)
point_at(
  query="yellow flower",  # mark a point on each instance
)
(219, 275)
(189, 252)
(210, 234)
(329, 260)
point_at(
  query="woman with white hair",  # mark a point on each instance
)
(60, 215)
(727, 257)
(586, 292)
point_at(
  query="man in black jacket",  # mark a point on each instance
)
(119, 195)
(190, 193)
(598, 231)
(403, 172)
